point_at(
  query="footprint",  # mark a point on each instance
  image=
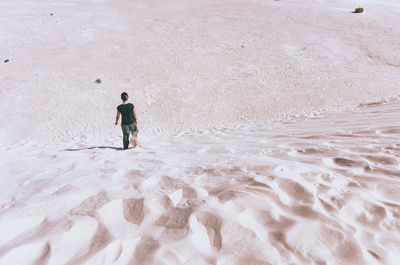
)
(100, 240)
(257, 184)
(175, 222)
(383, 160)
(280, 237)
(304, 211)
(225, 194)
(295, 191)
(213, 224)
(372, 215)
(145, 251)
(133, 210)
(189, 192)
(343, 162)
(329, 208)
(91, 204)
(349, 253)
(273, 223)
(175, 218)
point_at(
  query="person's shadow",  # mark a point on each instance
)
(96, 147)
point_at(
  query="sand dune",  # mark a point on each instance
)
(270, 132)
(321, 190)
(188, 65)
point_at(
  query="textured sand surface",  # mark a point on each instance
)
(256, 147)
(188, 65)
(320, 190)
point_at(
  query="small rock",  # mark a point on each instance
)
(6, 60)
(359, 10)
(242, 46)
(51, 14)
(98, 81)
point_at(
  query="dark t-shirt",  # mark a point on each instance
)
(126, 112)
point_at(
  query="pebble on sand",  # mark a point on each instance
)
(358, 10)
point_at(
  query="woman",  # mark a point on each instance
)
(129, 121)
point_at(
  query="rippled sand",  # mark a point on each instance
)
(310, 190)
(313, 190)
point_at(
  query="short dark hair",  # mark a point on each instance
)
(124, 96)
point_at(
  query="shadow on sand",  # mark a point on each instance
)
(96, 147)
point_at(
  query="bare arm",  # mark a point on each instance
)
(117, 118)
(134, 114)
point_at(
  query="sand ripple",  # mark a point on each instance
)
(307, 191)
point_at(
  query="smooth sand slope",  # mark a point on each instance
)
(188, 65)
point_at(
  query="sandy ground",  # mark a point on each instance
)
(320, 190)
(256, 147)
(188, 65)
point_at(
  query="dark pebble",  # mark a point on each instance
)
(6, 60)
(98, 81)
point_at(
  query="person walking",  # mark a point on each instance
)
(129, 121)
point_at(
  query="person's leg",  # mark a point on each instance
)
(133, 129)
(125, 138)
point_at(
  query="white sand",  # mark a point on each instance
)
(183, 62)
(219, 181)
(320, 190)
